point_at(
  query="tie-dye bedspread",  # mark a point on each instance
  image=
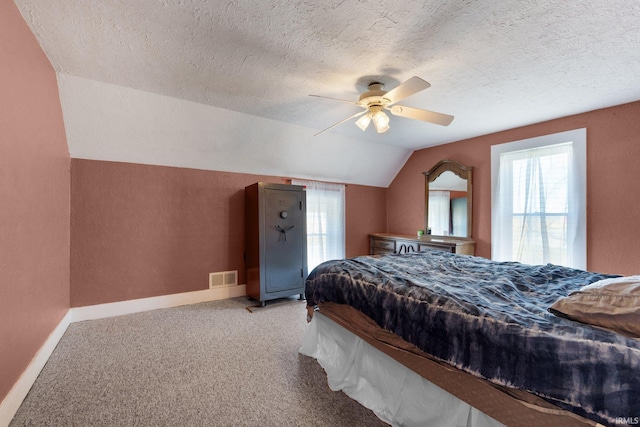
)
(490, 319)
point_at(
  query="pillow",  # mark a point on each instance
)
(610, 303)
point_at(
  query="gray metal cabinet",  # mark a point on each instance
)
(275, 240)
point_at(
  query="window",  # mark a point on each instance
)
(325, 221)
(539, 200)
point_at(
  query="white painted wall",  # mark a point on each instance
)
(115, 123)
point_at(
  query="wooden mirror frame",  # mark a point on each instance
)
(463, 172)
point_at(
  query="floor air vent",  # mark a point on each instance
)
(223, 278)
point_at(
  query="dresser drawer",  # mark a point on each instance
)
(406, 247)
(382, 244)
(378, 251)
(437, 246)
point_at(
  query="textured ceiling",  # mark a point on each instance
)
(494, 65)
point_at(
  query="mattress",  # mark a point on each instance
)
(395, 393)
(491, 319)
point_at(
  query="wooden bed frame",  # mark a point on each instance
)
(509, 406)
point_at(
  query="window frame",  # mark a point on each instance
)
(579, 139)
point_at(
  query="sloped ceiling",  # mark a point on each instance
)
(224, 85)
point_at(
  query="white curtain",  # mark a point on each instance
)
(439, 212)
(325, 221)
(537, 208)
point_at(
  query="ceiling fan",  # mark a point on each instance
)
(376, 99)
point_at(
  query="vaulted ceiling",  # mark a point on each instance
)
(224, 84)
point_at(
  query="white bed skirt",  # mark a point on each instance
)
(395, 393)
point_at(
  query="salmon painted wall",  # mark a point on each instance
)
(366, 213)
(140, 231)
(34, 199)
(613, 193)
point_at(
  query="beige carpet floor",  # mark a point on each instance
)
(222, 363)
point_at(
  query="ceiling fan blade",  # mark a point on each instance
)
(342, 121)
(418, 114)
(413, 85)
(334, 99)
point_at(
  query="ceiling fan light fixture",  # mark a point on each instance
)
(377, 99)
(381, 122)
(363, 122)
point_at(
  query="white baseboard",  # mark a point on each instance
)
(100, 311)
(18, 392)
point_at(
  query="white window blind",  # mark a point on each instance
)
(325, 221)
(539, 200)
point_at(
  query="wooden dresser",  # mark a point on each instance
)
(386, 243)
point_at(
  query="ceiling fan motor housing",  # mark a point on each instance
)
(374, 96)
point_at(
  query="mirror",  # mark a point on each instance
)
(447, 199)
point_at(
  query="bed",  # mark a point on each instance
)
(499, 336)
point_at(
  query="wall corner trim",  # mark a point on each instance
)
(20, 389)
